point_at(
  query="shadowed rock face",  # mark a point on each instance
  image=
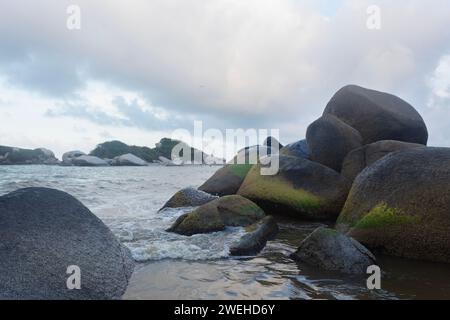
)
(358, 159)
(227, 180)
(229, 211)
(42, 233)
(330, 250)
(400, 205)
(330, 140)
(302, 189)
(297, 149)
(188, 197)
(378, 115)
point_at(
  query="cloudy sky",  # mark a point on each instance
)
(139, 69)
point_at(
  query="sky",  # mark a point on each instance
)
(137, 70)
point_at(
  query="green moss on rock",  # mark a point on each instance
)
(384, 216)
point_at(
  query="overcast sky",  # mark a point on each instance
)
(138, 69)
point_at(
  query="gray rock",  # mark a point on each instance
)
(227, 180)
(89, 161)
(129, 160)
(358, 159)
(298, 149)
(255, 240)
(330, 140)
(188, 197)
(42, 233)
(229, 211)
(378, 115)
(69, 156)
(19, 156)
(330, 250)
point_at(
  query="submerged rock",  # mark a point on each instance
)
(229, 211)
(42, 233)
(378, 115)
(303, 189)
(357, 160)
(256, 237)
(189, 197)
(129, 160)
(330, 140)
(400, 205)
(297, 149)
(227, 180)
(330, 250)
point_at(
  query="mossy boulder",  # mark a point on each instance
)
(297, 149)
(301, 188)
(330, 140)
(227, 180)
(378, 115)
(228, 211)
(188, 197)
(400, 205)
(360, 158)
(256, 237)
(330, 250)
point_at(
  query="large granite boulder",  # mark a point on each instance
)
(89, 161)
(188, 197)
(227, 180)
(400, 205)
(330, 140)
(358, 159)
(302, 189)
(256, 237)
(378, 115)
(228, 211)
(42, 233)
(69, 156)
(330, 250)
(297, 149)
(129, 160)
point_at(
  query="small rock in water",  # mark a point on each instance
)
(189, 197)
(331, 250)
(229, 211)
(256, 238)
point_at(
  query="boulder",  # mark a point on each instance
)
(302, 188)
(378, 115)
(227, 180)
(251, 155)
(69, 156)
(297, 149)
(400, 205)
(129, 160)
(330, 250)
(189, 197)
(89, 161)
(228, 211)
(256, 237)
(330, 140)
(42, 233)
(360, 158)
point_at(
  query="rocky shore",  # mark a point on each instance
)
(364, 169)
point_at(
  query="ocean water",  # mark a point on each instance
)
(171, 266)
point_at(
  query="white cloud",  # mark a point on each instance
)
(255, 63)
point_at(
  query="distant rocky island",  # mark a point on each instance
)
(111, 153)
